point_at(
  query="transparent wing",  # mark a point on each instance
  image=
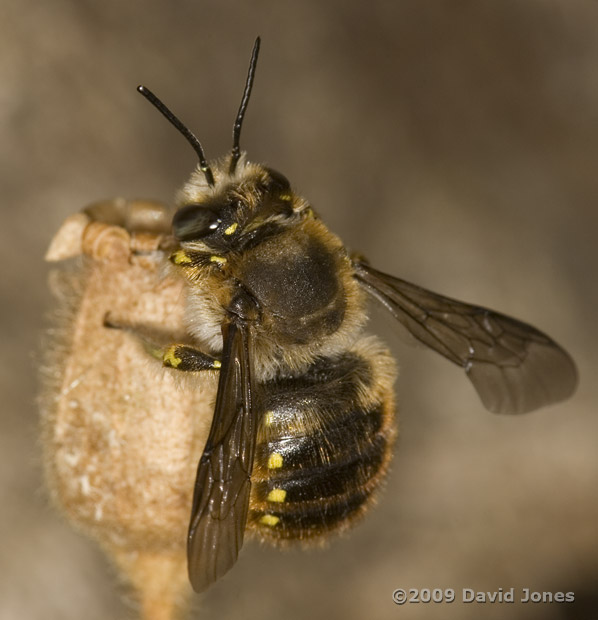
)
(222, 486)
(514, 367)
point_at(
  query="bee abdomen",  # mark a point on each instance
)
(324, 447)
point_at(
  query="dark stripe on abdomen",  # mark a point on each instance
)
(325, 480)
(337, 442)
(309, 519)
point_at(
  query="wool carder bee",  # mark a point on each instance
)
(303, 422)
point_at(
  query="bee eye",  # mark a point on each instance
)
(194, 222)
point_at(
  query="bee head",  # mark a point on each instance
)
(216, 204)
(229, 214)
(222, 203)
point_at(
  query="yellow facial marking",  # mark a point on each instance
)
(275, 460)
(270, 520)
(217, 364)
(180, 258)
(285, 197)
(170, 359)
(231, 229)
(218, 259)
(277, 495)
(268, 418)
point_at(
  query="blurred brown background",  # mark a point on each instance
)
(455, 143)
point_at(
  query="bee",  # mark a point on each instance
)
(303, 424)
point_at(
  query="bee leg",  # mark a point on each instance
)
(179, 356)
(185, 357)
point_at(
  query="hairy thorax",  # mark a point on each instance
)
(306, 297)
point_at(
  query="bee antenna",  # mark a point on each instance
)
(187, 133)
(236, 153)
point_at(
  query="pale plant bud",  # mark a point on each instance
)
(122, 434)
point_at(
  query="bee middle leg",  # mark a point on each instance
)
(185, 357)
(179, 356)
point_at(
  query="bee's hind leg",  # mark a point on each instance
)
(179, 356)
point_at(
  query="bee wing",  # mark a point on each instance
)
(513, 366)
(222, 486)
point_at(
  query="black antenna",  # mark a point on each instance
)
(244, 101)
(193, 141)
